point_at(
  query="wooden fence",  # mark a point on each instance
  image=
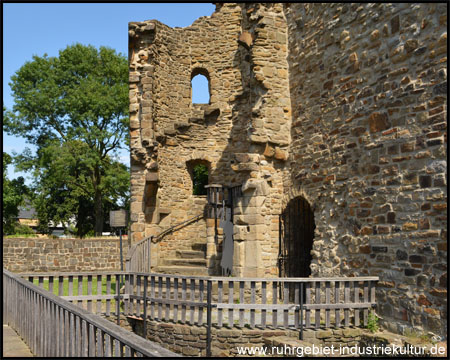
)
(53, 327)
(254, 302)
(286, 303)
(95, 292)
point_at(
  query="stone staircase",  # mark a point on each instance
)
(186, 262)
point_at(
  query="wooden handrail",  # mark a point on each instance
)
(212, 278)
(71, 273)
(52, 326)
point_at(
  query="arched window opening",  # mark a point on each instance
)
(199, 171)
(200, 89)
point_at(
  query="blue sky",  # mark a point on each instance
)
(38, 28)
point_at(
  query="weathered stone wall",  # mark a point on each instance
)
(242, 134)
(342, 104)
(368, 85)
(190, 340)
(43, 255)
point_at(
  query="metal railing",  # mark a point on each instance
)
(138, 257)
(52, 326)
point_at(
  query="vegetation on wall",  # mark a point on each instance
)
(200, 179)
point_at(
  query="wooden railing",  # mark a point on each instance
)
(286, 303)
(53, 327)
(291, 302)
(93, 291)
(252, 301)
(268, 302)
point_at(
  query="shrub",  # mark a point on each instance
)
(17, 230)
(372, 322)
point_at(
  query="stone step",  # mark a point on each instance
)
(199, 247)
(183, 270)
(185, 262)
(190, 254)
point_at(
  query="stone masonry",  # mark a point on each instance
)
(190, 340)
(62, 255)
(344, 105)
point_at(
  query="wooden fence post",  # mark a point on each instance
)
(145, 307)
(208, 317)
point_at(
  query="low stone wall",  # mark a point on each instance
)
(349, 336)
(190, 340)
(44, 254)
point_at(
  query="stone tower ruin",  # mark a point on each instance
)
(325, 134)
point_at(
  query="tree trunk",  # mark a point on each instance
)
(98, 213)
(81, 219)
(98, 208)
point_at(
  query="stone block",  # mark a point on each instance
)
(152, 176)
(252, 254)
(247, 167)
(133, 108)
(259, 186)
(249, 219)
(269, 151)
(420, 259)
(247, 158)
(378, 122)
(401, 255)
(349, 332)
(439, 292)
(189, 351)
(252, 201)
(408, 226)
(391, 217)
(281, 154)
(412, 272)
(133, 78)
(136, 207)
(239, 255)
(259, 139)
(246, 39)
(324, 334)
(378, 249)
(240, 232)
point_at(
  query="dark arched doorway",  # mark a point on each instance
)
(296, 239)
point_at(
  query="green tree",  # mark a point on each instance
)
(14, 194)
(200, 179)
(64, 189)
(73, 108)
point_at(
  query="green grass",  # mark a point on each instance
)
(75, 286)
